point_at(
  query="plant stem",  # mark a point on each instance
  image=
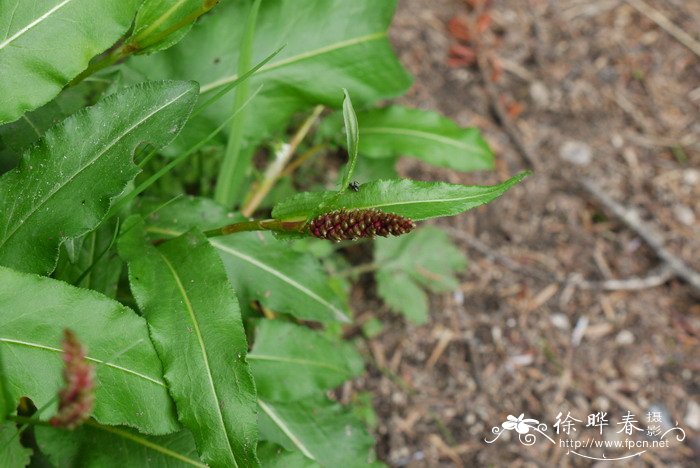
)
(306, 155)
(259, 225)
(235, 164)
(27, 421)
(274, 170)
(359, 269)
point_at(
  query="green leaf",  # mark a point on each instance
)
(413, 199)
(331, 44)
(290, 362)
(64, 184)
(33, 312)
(195, 324)
(428, 136)
(260, 267)
(265, 269)
(44, 45)
(425, 258)
(353, 138)
(274, 456)
(160, 24)
(93, 445)
(320, 429)
(5, 404)
(12, 454)
(401, 294)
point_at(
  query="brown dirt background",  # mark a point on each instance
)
(597, 81)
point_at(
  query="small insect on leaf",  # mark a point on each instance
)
(354, 186)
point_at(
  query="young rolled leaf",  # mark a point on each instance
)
(160, 24)
(320, 429)
(408, 198)
(33, 312)
(426, 135)
(41, 49)
(290, 362)
(260, 267)
(100, 446)
(425, 259)
(349, 49)
(12, 453)
(353, 138)
(195, 324)
(64, 185)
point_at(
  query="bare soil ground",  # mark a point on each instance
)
(591, 90)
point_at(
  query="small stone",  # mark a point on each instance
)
(692, 416)
(684, 214)
(576, 152)
(625, 337)
(617, 141)
(691, 177)
(539, 94)
(560, 321)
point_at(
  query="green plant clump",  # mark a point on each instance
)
(180, 183)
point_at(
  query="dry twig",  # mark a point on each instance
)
(667, 25)
(632, 219)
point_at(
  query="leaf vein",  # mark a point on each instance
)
(200, 339)
(89, 358)
(41, 18)
(424, 135)
(284, 428)
(298, 58)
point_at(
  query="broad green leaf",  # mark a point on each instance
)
(34, 310)
(162, 23)
(353, 136)
(290, 362)
(64, 184)
(428, 136)
(401, 294)
(320, 429)
(425, 258)
(260, 267)
(195, 324)
(94, 445)
(45, 44)
(331, 44)
(413, 199)
(12, 454)
(265, 269)
(274, 456)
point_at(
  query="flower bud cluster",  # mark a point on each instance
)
(358, 223)
(76, 398)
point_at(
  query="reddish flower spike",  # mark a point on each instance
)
(76, 398)
(355, 224)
